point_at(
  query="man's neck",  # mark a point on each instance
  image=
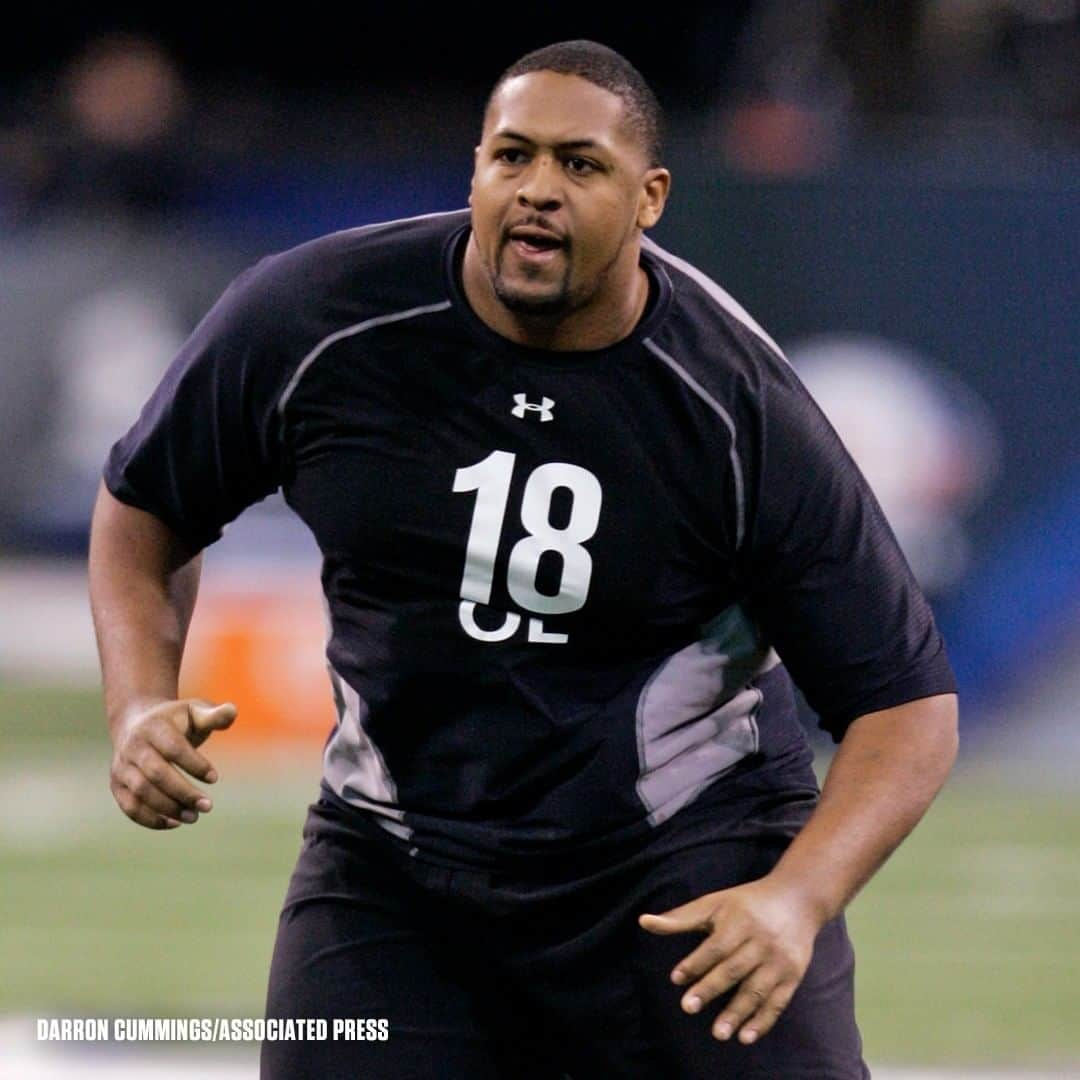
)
(604, 321)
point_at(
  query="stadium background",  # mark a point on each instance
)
(893, 194)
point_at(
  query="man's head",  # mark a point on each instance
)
(566, 176)
(610, 71)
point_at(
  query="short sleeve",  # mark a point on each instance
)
(206, 444)
(824, 574)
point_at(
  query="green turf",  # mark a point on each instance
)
(968, 940)
(35, 717)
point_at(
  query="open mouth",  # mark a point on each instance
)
(533, 244)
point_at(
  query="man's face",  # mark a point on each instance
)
(559, 189)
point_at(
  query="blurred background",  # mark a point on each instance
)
(890, 189)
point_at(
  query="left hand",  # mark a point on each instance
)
(760, 936)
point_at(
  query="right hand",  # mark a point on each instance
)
(150, 748)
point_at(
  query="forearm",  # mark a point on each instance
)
(143, 584)
(886, 772)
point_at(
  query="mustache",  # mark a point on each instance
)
(535, 221)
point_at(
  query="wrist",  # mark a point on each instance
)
(809, 889)
(122, 714)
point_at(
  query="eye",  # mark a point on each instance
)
(510, 155)
(581, 166)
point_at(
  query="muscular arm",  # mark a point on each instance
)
(143, 584)
(889, 768)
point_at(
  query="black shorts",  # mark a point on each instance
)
(483, 975)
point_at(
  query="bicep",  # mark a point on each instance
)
(122, 535)
(137, 560)
(926, 726)
(143, 585)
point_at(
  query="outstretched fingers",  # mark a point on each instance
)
(758, 941)
(755, 1008)
(714, 968)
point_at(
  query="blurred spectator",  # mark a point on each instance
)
(791, 95)
(101, 281)
(814, 76)
(110, 137)
(1016, 60)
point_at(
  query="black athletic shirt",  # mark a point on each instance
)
(555, 581)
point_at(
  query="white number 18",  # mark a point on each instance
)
(490, 479)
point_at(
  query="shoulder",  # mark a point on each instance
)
(710, 327)
(384, 265)
(716, 346)
(287, 303)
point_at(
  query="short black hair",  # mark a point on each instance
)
(610, 71)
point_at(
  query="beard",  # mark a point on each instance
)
(557, 300)
(521, 303)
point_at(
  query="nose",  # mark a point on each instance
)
(539, 186)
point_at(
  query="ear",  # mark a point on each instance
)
(655, 185)
(472, 181)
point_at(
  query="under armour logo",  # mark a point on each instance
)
(524, 405)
